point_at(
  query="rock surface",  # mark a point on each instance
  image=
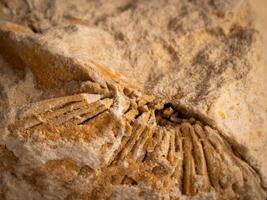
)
(118, 83)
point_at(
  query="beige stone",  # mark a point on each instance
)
(157, 101)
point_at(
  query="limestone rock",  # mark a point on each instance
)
(92, 148)
(50, 64)
(139, 100)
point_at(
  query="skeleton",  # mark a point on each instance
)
(124, 137)
(193, 157)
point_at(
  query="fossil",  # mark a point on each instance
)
(109, 134)
(155, 147)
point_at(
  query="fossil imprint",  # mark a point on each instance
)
(108, 134)
(152, 146)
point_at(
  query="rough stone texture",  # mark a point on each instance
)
(202, 59)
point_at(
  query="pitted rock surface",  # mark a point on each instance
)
(131, 100)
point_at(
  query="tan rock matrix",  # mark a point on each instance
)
(131, 100)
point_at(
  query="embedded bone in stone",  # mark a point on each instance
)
(131, 146)
(186, 155)
(138, 127)
(77, 109)
(127, 140)
(46, 105)
(131, 114)
(94, 88)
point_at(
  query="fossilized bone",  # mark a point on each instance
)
(113, 135)
(190, 154)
